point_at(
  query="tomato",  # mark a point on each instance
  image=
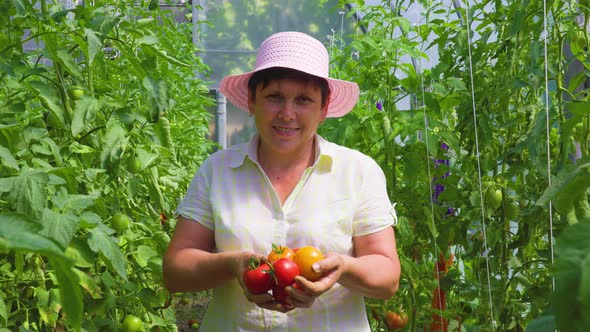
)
(133, 165)
(132, 324)
(194, 323)
(493, 198)
(395, 320)
(75, 92)
(279, 294)
(279, 252)
(120, 223)
(257, 277)
(511, 211)
(285, 271)
(305, 258)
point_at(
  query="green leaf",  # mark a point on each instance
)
(584, 291)
(22, 233)
(70, 291)
(11, 136)
(147, 40)
(144, 253)
(545, 323)
(67, 202)
(60, 227)
(3, 311)
(579, 107)
(47, 97)
(114, 144)
(86, 107)
(562, 179)
(101, 242)
(94, 46)
(7, 158)
(76, 147)
(29, 193)
(68, 62)
(157, 91)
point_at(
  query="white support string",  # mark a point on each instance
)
(423, 106)
(485, 239)
(548, 124)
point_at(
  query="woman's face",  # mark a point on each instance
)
(287, 114)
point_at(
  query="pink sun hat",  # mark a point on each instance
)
(299, 51)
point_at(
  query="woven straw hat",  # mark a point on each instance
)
(297, 51)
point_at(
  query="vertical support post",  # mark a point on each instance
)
(221, 120)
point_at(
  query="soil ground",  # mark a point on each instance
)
(190, 306)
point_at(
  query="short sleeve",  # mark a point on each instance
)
(374, 210)
(196, 204)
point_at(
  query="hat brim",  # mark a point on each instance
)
(343, 94)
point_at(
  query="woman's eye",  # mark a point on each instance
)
(273, 97)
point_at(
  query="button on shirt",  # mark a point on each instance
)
(341, 196)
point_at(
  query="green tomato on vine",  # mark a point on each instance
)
(120, 223)
(132, 324)
(493, 198)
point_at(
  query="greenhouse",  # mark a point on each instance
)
(453, 195)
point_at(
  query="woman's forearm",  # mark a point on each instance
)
(374, 276)
(192, 270)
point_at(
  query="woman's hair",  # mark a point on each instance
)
(265, 76)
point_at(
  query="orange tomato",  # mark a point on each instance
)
(305, 258)
(279, 252)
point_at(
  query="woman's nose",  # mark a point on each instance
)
(287, 111)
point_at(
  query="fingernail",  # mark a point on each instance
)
(316, 267)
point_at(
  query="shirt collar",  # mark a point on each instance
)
(323, 158)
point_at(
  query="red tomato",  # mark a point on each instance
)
(279, 252)
(395, 320)
(285, 271)
(305, 258)
(279, 294)
(258, 278)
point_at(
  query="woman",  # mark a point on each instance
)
(287, 186)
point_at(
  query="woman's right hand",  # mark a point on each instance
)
(264, 300)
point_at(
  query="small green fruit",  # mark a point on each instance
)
(76, 93)
(120, 223)
(133, 165)
(510, 210)
(493, 198)
(132, 324)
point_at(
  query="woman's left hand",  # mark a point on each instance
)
(331, 267)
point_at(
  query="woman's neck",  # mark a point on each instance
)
(278, 162)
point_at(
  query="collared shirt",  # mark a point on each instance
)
(341, 196)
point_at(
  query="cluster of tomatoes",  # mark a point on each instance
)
(279, 270)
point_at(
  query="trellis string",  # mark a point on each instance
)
(423, 106)
(548, 124)
(485, 239)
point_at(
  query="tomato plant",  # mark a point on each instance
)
(279, 252)
(132, 324)
(285, 271)
(258, 277)
(305, 258)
